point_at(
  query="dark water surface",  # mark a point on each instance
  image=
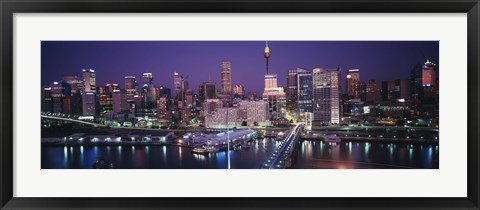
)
(311, 154)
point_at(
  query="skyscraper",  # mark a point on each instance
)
(326, 105)
(119, 101)
(416, 88)
(207, 90)
(372, 93)
(179, 83)
(89, 104)
(147, 78)
(239, 90)
(59, 91)
(353, 83)
(430, 81)
(89, 80)
(75, 82)
(226, 77)
(47, 99)
(131, 87)
(291, 92)
(304, 91)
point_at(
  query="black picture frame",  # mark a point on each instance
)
(9, 7)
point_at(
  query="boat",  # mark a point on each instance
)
(102, 164)
(333, 139)
(205, 150)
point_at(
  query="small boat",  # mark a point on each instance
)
(102, 164)
(205, 150)
(333, 139)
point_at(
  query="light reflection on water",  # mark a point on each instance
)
(311, 154)
(366, 155)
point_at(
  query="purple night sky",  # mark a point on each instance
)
(200, 61)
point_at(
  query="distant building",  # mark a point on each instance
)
(209, 106)
(326, 95)
(207, 90)
(353, 83)
(164, 92)
(89, 104)
(226, 77)
(59, 91)
(395, 89)
(430, 82)
(131, 87)
(147, 78)
(75, 82)
(89, 80)
(180, 85)
(254, 112)
(416, 87)
(119, 101)
(291, 92)
(47, 104)
(239, 91)
(304, 91)
(223, 118)
(371, 92)
(163, 115)
(275, 97)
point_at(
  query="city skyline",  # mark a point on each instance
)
(199, 61)
(302, 104)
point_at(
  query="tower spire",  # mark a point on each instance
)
(266, 54)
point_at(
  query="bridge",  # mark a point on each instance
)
(282, 156)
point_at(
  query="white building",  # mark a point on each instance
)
(254, 111)
(275, 97)
(223, 117)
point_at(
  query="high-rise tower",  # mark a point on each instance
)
(266, 54)
(226, 77)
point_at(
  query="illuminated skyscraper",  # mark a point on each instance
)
(59, 91)
(239, 90)
(430, 81)
(131, 87)
(119, 101)
(291, 92)
(75, 82)
(180, 84)
(326, 104)
(147, 78)
(89, 80)
(304, 91)
(226, 77)
(353, 83)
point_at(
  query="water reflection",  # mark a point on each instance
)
(365, 155)
(311, 154)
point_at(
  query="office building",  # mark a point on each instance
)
(131, 87)
(207, 90)
(89, 80)
(353, 83)
(326, 105)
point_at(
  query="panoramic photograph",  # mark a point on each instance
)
(239, 104)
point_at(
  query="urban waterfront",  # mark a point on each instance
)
(240, 105)
(309, 155)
